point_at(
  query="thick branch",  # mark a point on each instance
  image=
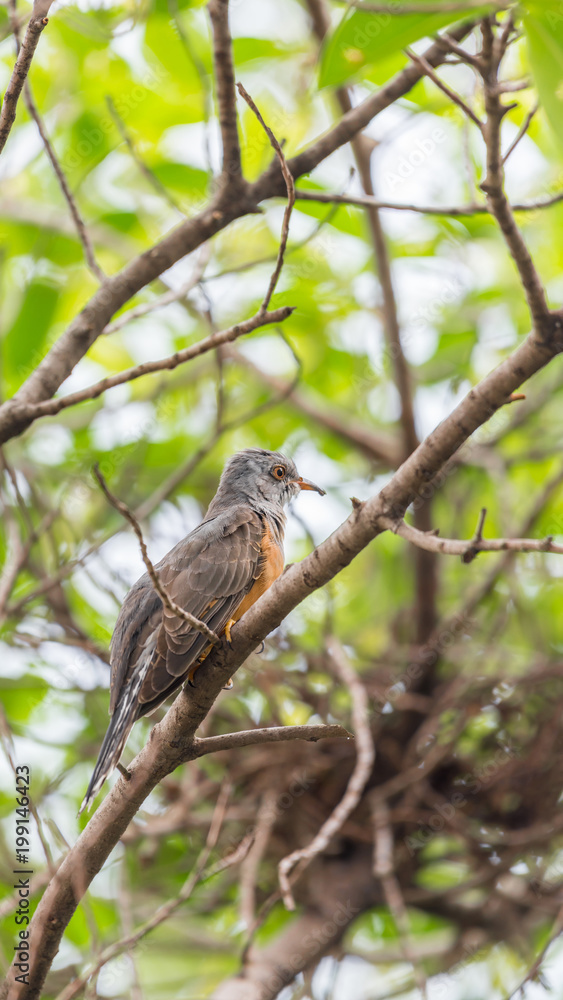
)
(226, 94)
(302, 943)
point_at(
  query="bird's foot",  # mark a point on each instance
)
(261, 648)
(123, 770)
(191, 672)
(227, 633)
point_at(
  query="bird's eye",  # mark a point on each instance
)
(278, 472)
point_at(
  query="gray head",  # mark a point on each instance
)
(261, 478)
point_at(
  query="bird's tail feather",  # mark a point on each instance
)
(121, 724)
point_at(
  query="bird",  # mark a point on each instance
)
(216, 573)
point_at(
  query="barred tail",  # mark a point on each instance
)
(121, 724)
(111, 750)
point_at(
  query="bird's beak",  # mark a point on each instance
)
(306, 484)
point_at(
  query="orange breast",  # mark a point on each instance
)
(273, 566)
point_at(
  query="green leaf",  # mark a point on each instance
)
(544, 33)
(23, 345)
(364, 38)
(20, 697)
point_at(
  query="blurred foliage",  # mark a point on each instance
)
(462, 311)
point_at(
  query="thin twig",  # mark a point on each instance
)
(422, 63)
(534, 969)
(446, 41)
(37, 22)
(73, 208)
(147, 173)
(384, 869)
(365, 756)
(127, 927)
(469, 549)
(123, 509)
(63, 183)
(249, 869)
(202, 73)
(453, 6)
(290, 185)
(18, 555)
(365, 201)
(522, 132)
(164, 300)
(51, 406)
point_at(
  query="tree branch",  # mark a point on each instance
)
(37, 22)
(79, 223)
(147, 173)
(123, 509)
(63, 183)
(163, 300)
(290, 197)
(521, 133)
(497, 201)
(377, 446)
(32, 411)
(384, 869)
(425, 575)
(226, 94)
(398, 8)
(43, 382)
(365, 201)
(470, 549)
(453, 96)
(172, 740)
(365, 756)
(198, 874)
(271, 734)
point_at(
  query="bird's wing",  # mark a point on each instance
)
(208, 574)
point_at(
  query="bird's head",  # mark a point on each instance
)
(263, 476)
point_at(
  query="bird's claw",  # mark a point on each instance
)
(227, 632)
